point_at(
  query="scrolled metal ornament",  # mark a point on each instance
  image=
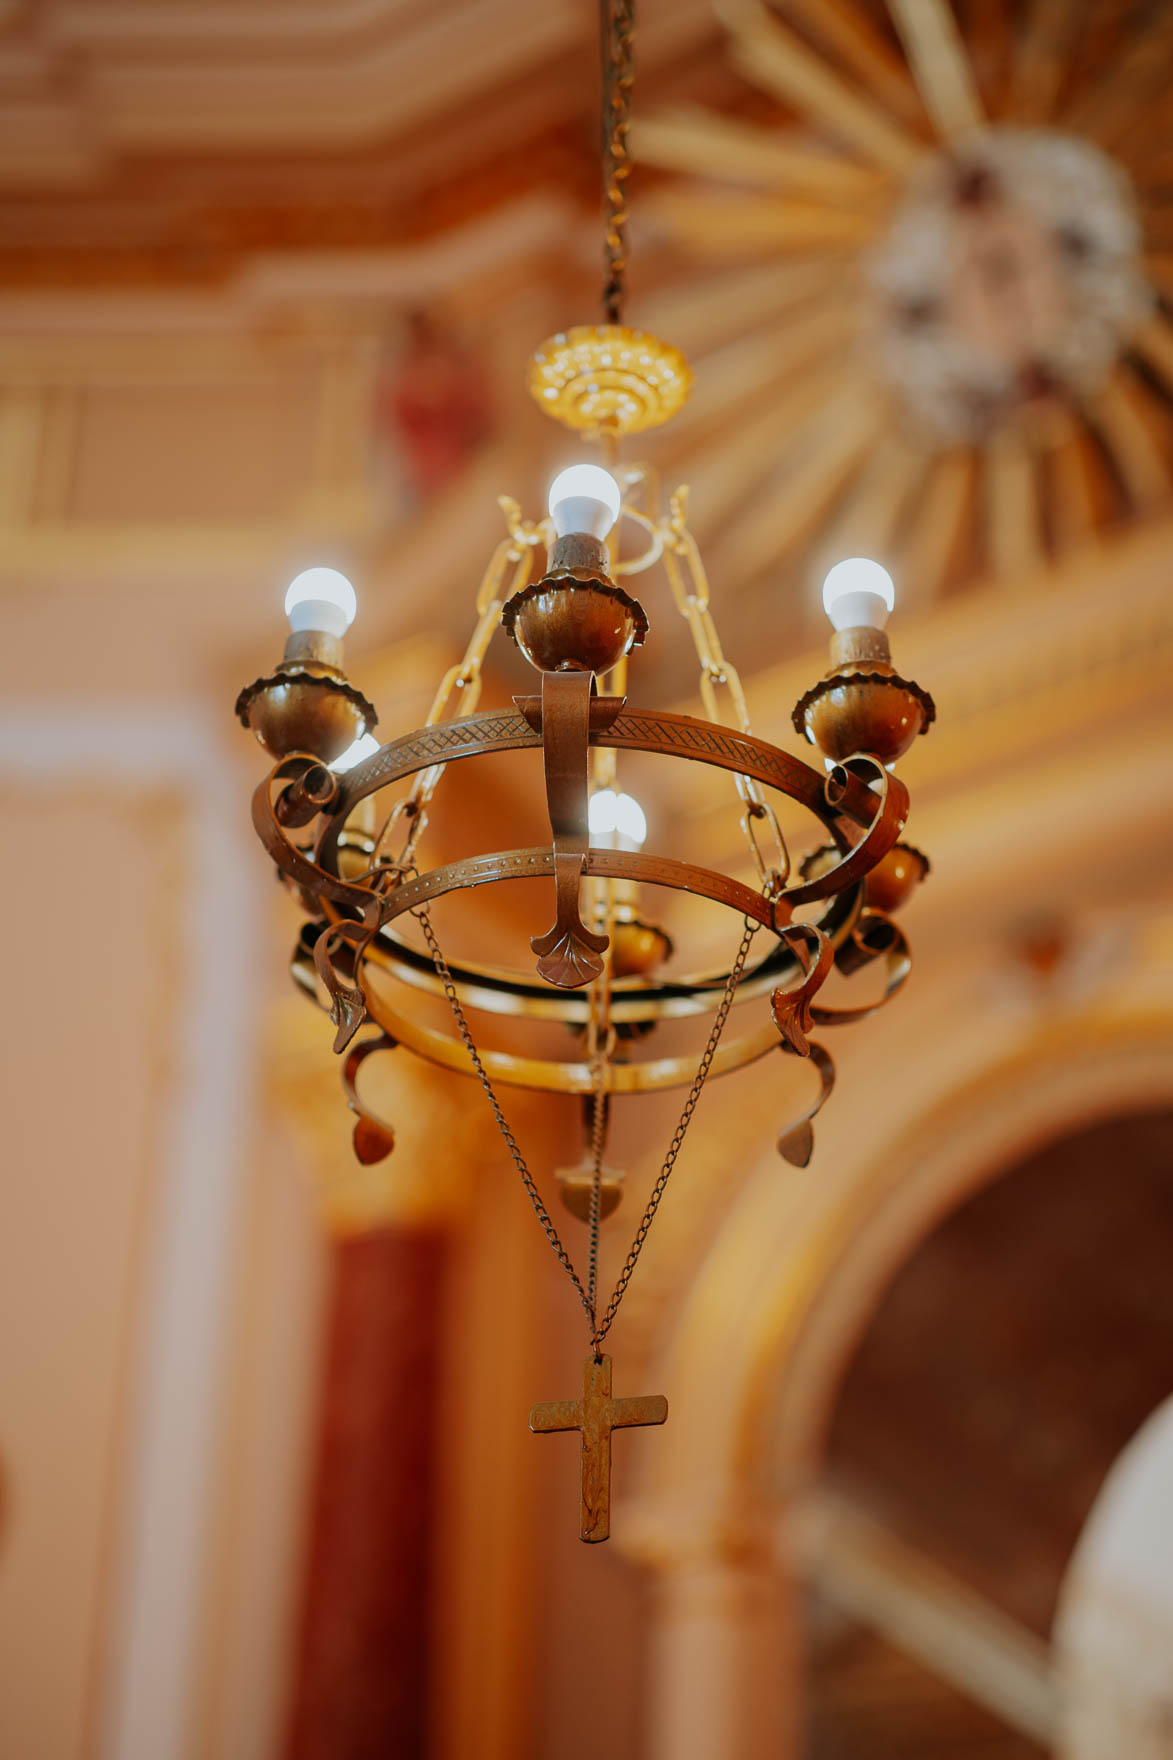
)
(373, 1137)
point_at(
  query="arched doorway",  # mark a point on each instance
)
(774, 1319)
(1006, 1366)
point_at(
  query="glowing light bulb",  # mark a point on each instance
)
(601, 812)
(629, 819)
(323, 599)
(363, 746)
(584, 498)
(616, 821)
(857, 593)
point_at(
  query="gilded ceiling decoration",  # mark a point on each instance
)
(962, 213)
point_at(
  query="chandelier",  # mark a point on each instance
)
(352, 850)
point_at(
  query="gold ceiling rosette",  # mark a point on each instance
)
(940, 274)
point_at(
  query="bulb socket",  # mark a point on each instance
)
(308, 704)
(314, 650)
(860, 645)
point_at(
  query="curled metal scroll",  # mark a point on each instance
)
(292, 806)
(794, 1016)
(891, 811)
(873, 937)
(792, 1005)
(796, 1143)
(374, 1138)
(857, 794)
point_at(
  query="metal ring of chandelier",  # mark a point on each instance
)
(842, 796)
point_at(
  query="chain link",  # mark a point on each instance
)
(690, 589)
(510, 1141)
(617, 28)
(463, 680)
(601, 1039)
(694, 1094)
(588, 1295)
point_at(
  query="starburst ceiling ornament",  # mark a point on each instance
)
(953, 229)
(355, 862)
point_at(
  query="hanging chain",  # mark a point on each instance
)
(694, 1093)
(600, 1046)
(463, 681)
(599, 1328)
(617, 26)
(510, 1141)
(690, 589)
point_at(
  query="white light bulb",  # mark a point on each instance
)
(584, 498)
(322, 599)
(858, 592)
(616, 821)
(601, 812)
(363, 746)
(629, 819)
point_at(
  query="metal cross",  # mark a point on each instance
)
(596, 1414)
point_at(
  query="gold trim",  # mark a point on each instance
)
(609, 379)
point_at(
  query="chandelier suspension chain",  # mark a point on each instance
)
(599, 1328)
(535, 1197)
(674, 1148)
(617, 21)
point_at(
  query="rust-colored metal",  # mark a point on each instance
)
(864, 708)
(894, 878)
(581, 622)
(792, 1007)
(308, 704)
(596, 1415)
(298, 710)
(861, 793)
(569, 952)
(888, 885)
(374, 1138)
(796, 1141)
(794, 1017)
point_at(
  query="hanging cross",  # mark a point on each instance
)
(596, 1414)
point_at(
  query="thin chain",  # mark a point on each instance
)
(600, 1045)
(599, 1329)
(694, 1094)
(617, 23)
(598, 1139)
(535, 1197)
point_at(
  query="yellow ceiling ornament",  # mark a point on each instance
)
(609, 379)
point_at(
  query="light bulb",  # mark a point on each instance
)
(616, 821)
(629, 819)
(601, 812)
(857, 593)
(363, 746)
(584, 498)
(321, 599)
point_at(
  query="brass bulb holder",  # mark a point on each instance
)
(887, 886)
(575, 619)
(895, 878)
(308, 704)
(862, 705)
(638, 945)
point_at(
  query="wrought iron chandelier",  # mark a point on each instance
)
(356, 865)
